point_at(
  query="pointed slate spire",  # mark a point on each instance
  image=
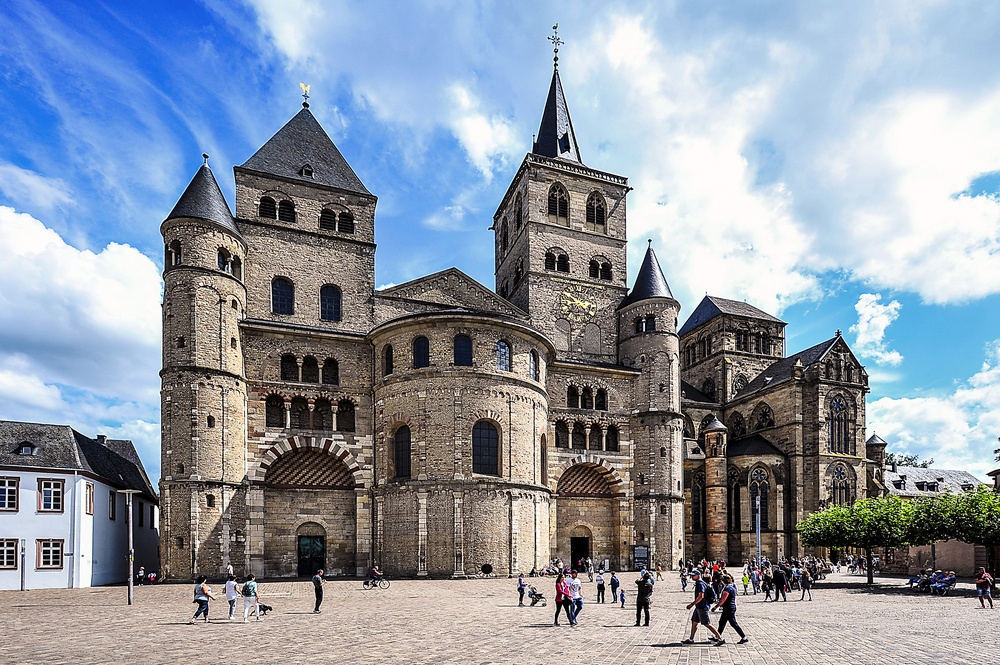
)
(650, 282)
(555, 135)
(204, 200)
(302, 151)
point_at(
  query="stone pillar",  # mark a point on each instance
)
(715, 490)
(514, 532)
(459, 537)
(421, 533)
(363, 528)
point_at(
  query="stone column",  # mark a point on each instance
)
(421, 533)
(459, 536)
(363, 529)
(514, 533)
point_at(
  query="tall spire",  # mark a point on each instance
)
(555, 135)
(650, 282)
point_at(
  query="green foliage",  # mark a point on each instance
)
(933, 519)
(883, 521)
(907, 460)
(976, 516)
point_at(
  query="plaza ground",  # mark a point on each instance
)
(478, 621)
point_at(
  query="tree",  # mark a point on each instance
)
(907, 460)
(883, 521)
(976, 519)
(933, 519)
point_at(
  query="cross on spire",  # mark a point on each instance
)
(556, 43)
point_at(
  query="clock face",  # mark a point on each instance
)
(576, 304)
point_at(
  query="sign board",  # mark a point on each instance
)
(640, 556)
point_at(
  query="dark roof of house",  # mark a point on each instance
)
(650, 282)
(947, 479)
(713, 306)
(781, 370)
(690, 392)
(556, 137)
(204, 200)
(875, 439)
(302, 141)
(62, 447)
(755, 444)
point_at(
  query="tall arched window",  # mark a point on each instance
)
(286, 211)
(503, 356)
(463, 351)
(587, 398)
(345, 222)
(611, 439)
(735, 505)
(504, 237)
(331, 372)
(401, 452)
(562, 434)
(579, 436)
(329, 303)
(323, 415)
(289, 368)
(267, 208)
(550, 261)
(533, 366)
(572, 397)
(601, 399)
(421, 352)
(698, 504)
(562, 263)
(596, 213)
(558, 205)
(485, 448)
(594, 271)
(518, 214)
(173, 254)
(838, 426)
(310, 370)
(595, 437)
(236, 267)
(282, 296)
(387, 364)
(606, 271)
(328, 220)
(345, 416)
(274, 409)
(759, 488)
(224, 260)
(840, 486)
(300, 413)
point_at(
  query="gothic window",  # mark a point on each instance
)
(289, 368)
(611, 439)
(572, 397)
(587, 398)
(300, 413)
(387, 365)
(708, 387)
(345, 416)
(562, 435)
(840, 486)
(331, 372)
(579, 436)
(267, 208)
(737, 425)
(596, 212)
(698, 507)
(329, 303)
(518, 214)
(601, 399)
(558, 205)
(739, 383)
(282, 296)
(463, 351)
(550, 261)
(503, 356)
(650, 322)
(323, 415)
(759, 488)
(533, 366)
(328, 220)
(286, 211)
(503, 237)
(839, 439)
(763, 417)
(562, 263)
(595, 438)
(595, 269)
(401, 452)
(735, 518)
(274, 411)
(345, 222)
(606, 271)
(310, 370)
(421, 352)
(485, 448)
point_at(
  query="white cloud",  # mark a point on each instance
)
(873, 319)
(448, 219)
(33, 190)
(489, 141)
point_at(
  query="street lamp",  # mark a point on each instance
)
(131, 552)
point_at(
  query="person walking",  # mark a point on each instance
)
(779, 584)
(984, 587)
(318, 583)
(202, 594)
(600, 587)
(728, 604)
(806, 582)
(141, 575)
(251, 597)
(644, 590)
(746, 582)
(684, 579)
(520, 589)
(659, 571)
(701, 604)
(575, 585)
(622, 597)
(563, 600)
(755, 580)
(614, 587)
(232, 595)
(229, 569)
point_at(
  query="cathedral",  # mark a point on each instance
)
(438, 426)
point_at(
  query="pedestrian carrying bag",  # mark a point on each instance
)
(247, 590)
(710, 596)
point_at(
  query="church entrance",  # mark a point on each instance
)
(579, 547)
(312, 555)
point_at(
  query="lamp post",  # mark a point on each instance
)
(757, 515)
(131, 552)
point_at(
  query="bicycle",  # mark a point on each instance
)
(381, 583)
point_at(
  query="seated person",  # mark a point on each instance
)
(945, 582)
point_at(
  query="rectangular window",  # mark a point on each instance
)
(112, 505)
(50, 554)
(8, 493)
(50, 496)
(90, 498)
(152, 515)
(141, 512)
(8, 554)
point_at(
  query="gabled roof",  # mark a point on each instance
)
(689, 392)
(302, 141)
(649, 282)
(556, 137)
(451, 288)
(755, 444)
(204, 200)
(713, 306)
(781, 370)
(947, 479)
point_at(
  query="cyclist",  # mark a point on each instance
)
(374, 575)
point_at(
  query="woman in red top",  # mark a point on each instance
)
(984, 587)
(563, 600)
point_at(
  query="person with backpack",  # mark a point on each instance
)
(704, 596)
(728, 604)
(251, 597)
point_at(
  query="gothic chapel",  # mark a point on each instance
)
(310, 421)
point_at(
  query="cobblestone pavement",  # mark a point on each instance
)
(478, 621)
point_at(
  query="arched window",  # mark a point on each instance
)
(518, 272)
(300, 413)
(837, 424)
(735, 517)
(573, 397)
(387, 360)
(181, 343)
(485, 448)
(331, 372)
(210, 421)
(596, 213)
(763, 417)
(550, 261)
(708, 387)
(562, 263)
(737, 426)
(345, 416)
(345, 222)
(323, 415)
(543, 456)
(289, 368)
(504, 237)
(173, 254)
(421, 352)
(518, 214)
(329, 303)
(562, 434)
(650, 323)
(663, 509)
(401, 452)
(595, 438)
(640, 325)
(611, 439)
(179, 542)
(310, 370)
(282, 296)
(328, 220)
(587, 398)
(595, 269)
(236, 268)
(840, 486)
(558, 205)
(274, 412)
(533, 366)
(286, 211)
(267, 208)
(739, 383)
(504, 289)
(463, 351)
(663, 451)
(698, 504)
(224, 259)
(606, 271)
(579, 436)
(503, 356)
(759, 488)
(601, 399)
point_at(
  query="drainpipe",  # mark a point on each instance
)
(72, 534)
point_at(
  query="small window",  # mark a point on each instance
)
(485, 448)
(181, 343)
(463, 351)
(518, 272)
(90, 499)
(503, 356)
(596, 212)
(587, 398)
(579, 436)
(518, 214)
(306, 171)
(49, 554)
(595, 269)
(345, 416)
(387, 365)
(533, 366)
(331, 372)
(504, 237)
(421, 352)
(274, 412)
(268, 208)
(328, 220)
(224, 260)
(8, 494)
(289, 368)
(345, 223)
(401, 452)
(286, 211)
(562, 263)
(179, 469)
(50, 496)
(113, 502)
(550, 261)
(210, 500)
(141, 513)
(601, 399)
(606, 271)
(236, 268)
(572, 397)
(639, 325)
(310, 370)
(8, 554)
(329, 303)
(179, 543)
(611, 439)
(650, 323)
(210, 421)
(562, 435)
(282, 296)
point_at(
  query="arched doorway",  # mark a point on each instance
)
(311, 548)
(587, 515)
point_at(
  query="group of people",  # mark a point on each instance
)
(249, 591)
(774, 580)
(937, 582)
(569, 596)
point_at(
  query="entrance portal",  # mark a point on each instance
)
(312, 555)
(579, 547)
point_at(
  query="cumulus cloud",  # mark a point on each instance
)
(488, 140)
(873, 319)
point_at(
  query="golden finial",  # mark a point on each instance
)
(305, 94)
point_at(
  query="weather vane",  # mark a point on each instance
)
(556, 43)
(305, 94)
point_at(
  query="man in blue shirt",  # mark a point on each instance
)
(701, 606)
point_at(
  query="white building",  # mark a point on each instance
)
(63, 510)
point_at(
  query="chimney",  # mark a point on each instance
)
(102, 439)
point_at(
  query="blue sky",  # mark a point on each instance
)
(836, 164)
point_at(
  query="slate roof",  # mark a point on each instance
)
(61, 447)
(303, 141)
(556, 137)
(204, 200)
(713, 306)
(650, 282)
(755, 444)
(876, 439)
(781, 370)
(947, 479)
(690, 392)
